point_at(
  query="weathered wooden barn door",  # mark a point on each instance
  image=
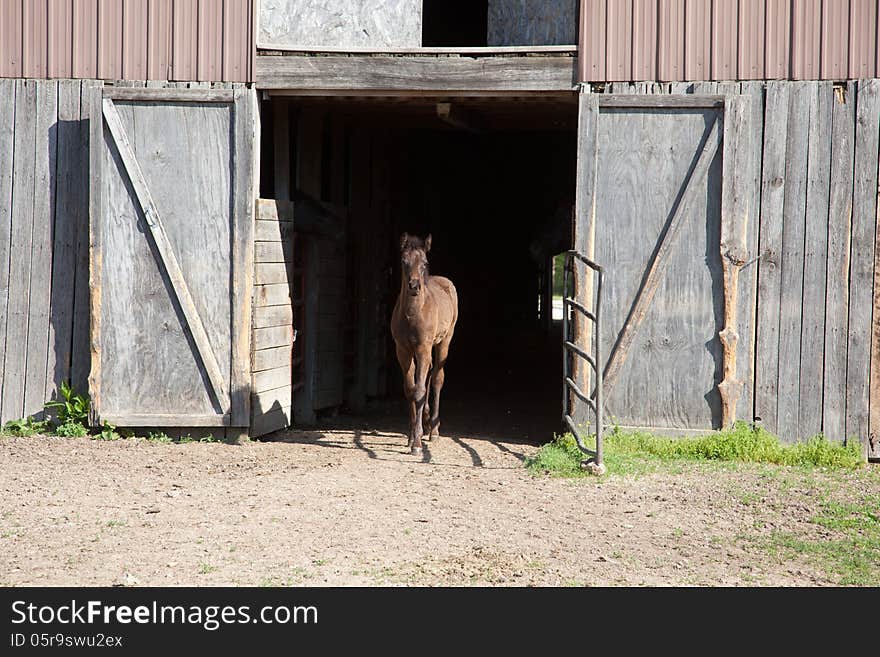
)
(171, 221)
(661, 206)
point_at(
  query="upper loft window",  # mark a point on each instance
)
(455, 23)
(389, 25)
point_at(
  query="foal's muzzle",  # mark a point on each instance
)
(414, 286)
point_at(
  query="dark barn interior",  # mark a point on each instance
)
(484, 178)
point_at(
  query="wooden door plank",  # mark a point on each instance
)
(244, 114)
(20, 250)
(7, 142)
(734, 225)
(792, 276)
(770, 261)
(843, 128)
(80, 358)
(655, 268)
(584, 242)
(748, 283)
(96, 247)
(45, 159)
(815, 262)
(67, 217)
(166, 253)
(858, 349)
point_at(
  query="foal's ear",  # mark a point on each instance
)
(428, 243)
(403, 241)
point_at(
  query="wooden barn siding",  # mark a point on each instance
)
(272, 391)
(811, 310)
(44, 243)
(728, 40)
(132, 39)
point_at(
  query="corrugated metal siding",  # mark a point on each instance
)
(623, 40)
(200, 40)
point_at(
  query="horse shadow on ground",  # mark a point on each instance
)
(381, 435)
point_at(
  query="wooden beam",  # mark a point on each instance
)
(657, 264)
(169, 95)
(166, 420)
(346, 75)
(655, 101)
(166, 253)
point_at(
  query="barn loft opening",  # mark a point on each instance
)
(485, 177)
(454, 22)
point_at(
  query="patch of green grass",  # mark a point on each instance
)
(634, 452)
(849, 550)
(205, 568)
(116, 523)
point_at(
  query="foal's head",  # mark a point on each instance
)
(414, 261)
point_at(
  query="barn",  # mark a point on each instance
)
(200, 204)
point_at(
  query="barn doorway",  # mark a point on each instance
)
(485, 177)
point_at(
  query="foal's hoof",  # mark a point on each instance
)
(416, 451)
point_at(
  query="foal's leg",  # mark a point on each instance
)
(407, 366)
(423, 366)
(438, 374)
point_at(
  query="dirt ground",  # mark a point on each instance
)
(350, 506)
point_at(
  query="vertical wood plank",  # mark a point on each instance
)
(770, 248)
(749, 273)
(861, 276)
(584, 243)
(96, 201)
(45, 158)
(7, 143)
(815, 262)
(68, 197)
(20, 250)
(793, 227)
(242, 255)
(837, 268)
(80, 359)
(735, 220)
